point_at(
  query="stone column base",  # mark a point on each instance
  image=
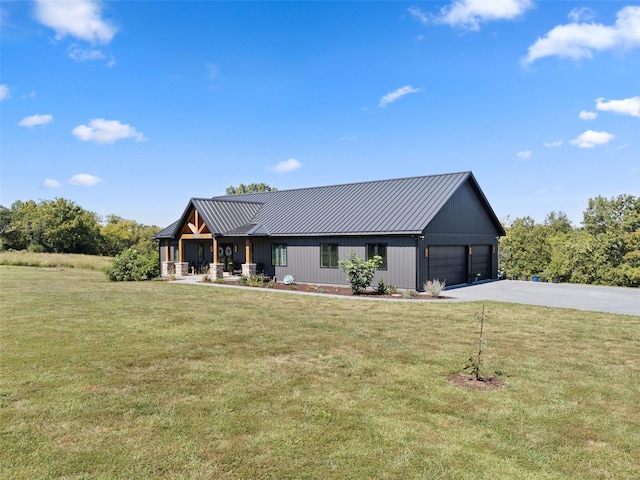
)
(182, 269)
(248, 269)
(216, 270)
(166, 269)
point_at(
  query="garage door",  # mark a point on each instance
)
(481, 261)
(448, 263)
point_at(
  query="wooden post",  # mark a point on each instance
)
(167, 257)
(181, 250)
(215, 250)
(247, 251)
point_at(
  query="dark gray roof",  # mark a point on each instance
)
(167, 232)
(398, 206)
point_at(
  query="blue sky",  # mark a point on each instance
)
(133, 107)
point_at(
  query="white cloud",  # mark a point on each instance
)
(286, 166)
(419, 15)
(581, 14)
(81, 19)
(524, 154)
(554, 144)
(4, 92)
(81, 55)
(584, 115)
(84, 180)
(580, 40)
(100, 130)
(628, 106)
(395, 95)
(49, 183)
(470, 14)
(590, 139)
(34, 120)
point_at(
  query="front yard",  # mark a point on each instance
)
(152, 380)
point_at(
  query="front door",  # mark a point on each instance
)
(225, 256)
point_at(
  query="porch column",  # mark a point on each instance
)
(181, 250)
(216, 268)
(247, 251)
(248, 267)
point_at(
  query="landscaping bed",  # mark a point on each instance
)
(338, 290)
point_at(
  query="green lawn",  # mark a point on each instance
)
(162, 380)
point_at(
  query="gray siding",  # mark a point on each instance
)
(303, 259)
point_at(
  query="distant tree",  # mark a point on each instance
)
(621, 214)
(613, 226)
(557, 222)
(68, 228)
(5, 224)
(526, 248)
(26, 229)
(119, 234)
(251, 188)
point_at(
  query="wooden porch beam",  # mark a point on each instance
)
(215, 250)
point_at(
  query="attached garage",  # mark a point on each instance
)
(448, 263)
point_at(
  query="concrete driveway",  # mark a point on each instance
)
(561, 295)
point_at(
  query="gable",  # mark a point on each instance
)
(465, 212)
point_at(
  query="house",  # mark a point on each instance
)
(431, 227)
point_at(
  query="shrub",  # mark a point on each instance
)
(383, 288)
(434, 287)
(409, 293)
(130, 265)
(359, 272)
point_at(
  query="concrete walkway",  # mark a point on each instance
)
(561, 295)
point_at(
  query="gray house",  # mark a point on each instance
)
(432, 227)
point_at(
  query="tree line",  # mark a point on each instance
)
(62, 226)
(604, 250)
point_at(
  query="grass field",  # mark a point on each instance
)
(56, 260)
(162, 380)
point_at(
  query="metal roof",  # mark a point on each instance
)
(397, 206)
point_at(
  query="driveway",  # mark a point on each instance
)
(561, 295)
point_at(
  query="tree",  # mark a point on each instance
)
(621, 213)
(526, 248)
(68, 228)
(119, 234)
(359, 272)
(251, 188)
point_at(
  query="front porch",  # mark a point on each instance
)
(212, 270)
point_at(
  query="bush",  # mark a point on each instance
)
(383, 288)
(131, 265)
(359, 272)
(434, 287)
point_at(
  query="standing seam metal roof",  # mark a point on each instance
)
(397, 206)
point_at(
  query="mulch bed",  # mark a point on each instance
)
(469, 381)
(336, 290)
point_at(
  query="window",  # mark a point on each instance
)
(200, 253)
(279, 254)
(329, 255)
(380, 249)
